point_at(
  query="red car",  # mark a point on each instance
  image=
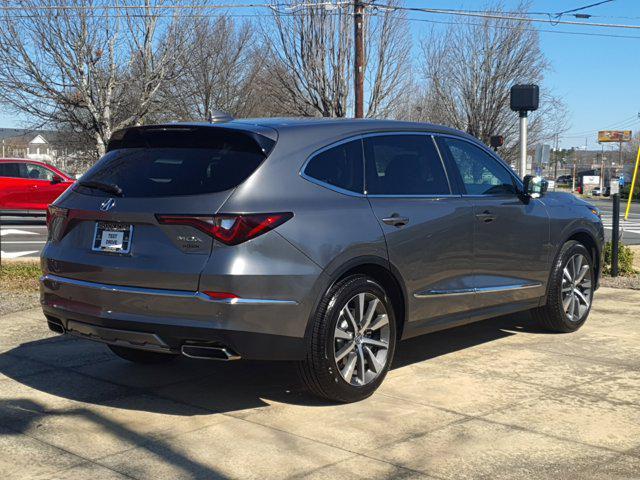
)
(27, 187)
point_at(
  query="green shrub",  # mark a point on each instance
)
(624, 191)
(625, 260)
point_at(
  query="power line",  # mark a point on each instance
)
(583, 8)
(587, 134)
(524, 29)
(495, 16)
(632, 119)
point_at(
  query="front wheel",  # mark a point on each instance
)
(352, 341)
(570, 290)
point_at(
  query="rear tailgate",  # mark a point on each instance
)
(100, 236)
(158, 256)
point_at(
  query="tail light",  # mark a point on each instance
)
(230, 229)
(56, 221)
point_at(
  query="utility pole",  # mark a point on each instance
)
(575, 160)
(555, 171)
(358, 10)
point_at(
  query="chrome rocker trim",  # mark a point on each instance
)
(468, 291)
(162, 292)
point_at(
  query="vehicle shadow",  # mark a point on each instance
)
(31, 414)
(212, 387)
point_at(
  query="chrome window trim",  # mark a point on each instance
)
(485, 149)
(467, 291)
(361, 137)
(434, 196)
(162, 292)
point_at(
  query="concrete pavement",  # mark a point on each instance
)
(498, 399)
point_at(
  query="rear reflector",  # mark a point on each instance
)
(220, 295)
(229, 229)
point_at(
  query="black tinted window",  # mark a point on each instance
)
(15, 170)
(404, 165)
(340, 166)
(481, 173)
(177, 162)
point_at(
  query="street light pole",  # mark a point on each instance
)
(524, 99)
(523, 143)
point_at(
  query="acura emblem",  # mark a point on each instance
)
(107, 204)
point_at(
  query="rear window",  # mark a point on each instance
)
(172, 162)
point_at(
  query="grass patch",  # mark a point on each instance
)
(20, 276)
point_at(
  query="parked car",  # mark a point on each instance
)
(27, 187)
(564, 180)
(324, 242)
(597, 191)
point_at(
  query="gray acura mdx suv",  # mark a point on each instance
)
(319, 241)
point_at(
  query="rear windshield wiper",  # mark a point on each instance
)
(105, 187)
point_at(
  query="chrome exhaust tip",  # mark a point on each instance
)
(55, 325)
(206, 352)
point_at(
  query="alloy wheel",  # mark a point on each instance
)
(576, 287)
(361, 339)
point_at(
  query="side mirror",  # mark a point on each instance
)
(535, 187)
(56, 179)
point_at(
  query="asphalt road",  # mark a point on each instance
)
(629, 229)
(22, 237)
(25, 237)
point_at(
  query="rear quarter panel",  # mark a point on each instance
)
(329, 229)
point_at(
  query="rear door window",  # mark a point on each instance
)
(340, 166)
(13, 170)
(178, 162)
(404, 165)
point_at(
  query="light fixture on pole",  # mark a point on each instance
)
(524, 99)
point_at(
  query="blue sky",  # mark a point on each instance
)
(598, 77)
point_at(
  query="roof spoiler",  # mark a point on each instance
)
(189, 135)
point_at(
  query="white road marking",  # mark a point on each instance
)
(15, 231)
(16, 254)
(16, 242)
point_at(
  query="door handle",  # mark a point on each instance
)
(396, 220)
(486, 216)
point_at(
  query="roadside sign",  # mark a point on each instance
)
(615, 187)
(543, 152)
(616, 136)
(551, 184)
(591, 180)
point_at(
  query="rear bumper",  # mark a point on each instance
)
(165, 320)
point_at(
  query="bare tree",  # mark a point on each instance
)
(468, 71)
(388, 63)
(83, 67)
(311, 48)
(217, 73)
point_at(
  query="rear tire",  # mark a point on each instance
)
(352, 341)
(570, 292)
(141, 356)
